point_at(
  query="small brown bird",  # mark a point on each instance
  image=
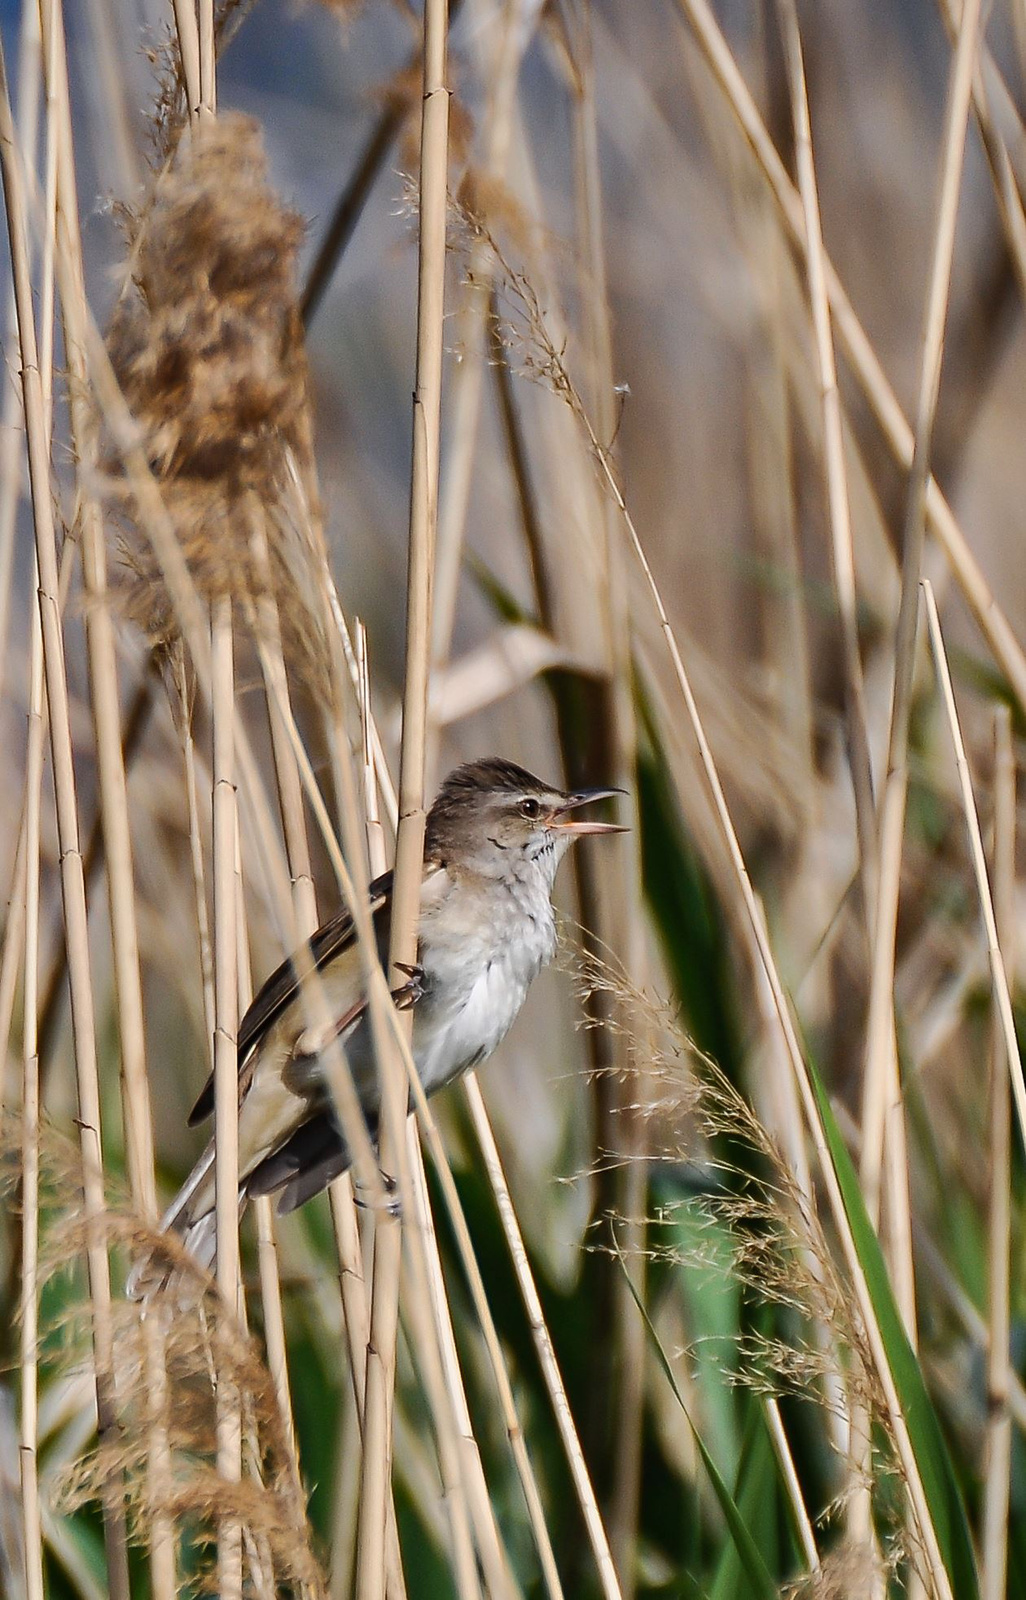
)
(495, 836)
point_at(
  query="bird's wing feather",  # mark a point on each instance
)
(283, 985)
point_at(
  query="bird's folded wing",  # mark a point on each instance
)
(283, 986)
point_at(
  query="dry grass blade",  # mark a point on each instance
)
(377, 1435)
(884, 1167)
(834, 457)
(1002, 997)
(72, 879)
(31, 1531)
(998, 1456)
(543, 1344)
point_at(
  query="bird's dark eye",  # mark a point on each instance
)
(530, 807)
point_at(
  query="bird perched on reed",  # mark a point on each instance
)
(494, 838)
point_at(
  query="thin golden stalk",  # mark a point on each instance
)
(207, 59)
(833, 457)
(500, 73)
(1002, 996)
(226, 1086)
(29, 78)
(498, 1582)
(785, 1461)
(370, 1570)
(29, 1431)
(615, 893)
(189, 50)
(543, 1344)
(883, 1167)
(998, 1448)
(72, 878)
(989, 617)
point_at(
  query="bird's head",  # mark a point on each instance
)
(494, 818)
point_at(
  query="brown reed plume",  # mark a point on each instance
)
(207, 345)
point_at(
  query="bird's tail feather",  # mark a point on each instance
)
(192, 1218)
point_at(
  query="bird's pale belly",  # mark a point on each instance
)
(446, 1043)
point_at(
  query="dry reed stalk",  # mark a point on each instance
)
(370, 1581)
(543, 1344)
(998, 1446)
(615, 892)
(501, 73)
(497, 1360)
(833, 458)
(72, 878)
(287, 748)
(883, 1170)
(29, 1365)
(859, 352)
(66, 244)
(785, 1461)
(187, 29)
(29, 79)
(998, 964)
(226, 1074)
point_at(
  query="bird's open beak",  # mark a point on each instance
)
(584, 797)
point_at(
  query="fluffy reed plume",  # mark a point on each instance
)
(848, 1572)
(778, 1250)
(207, 344)
(205, 1348)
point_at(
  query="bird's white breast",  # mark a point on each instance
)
(481, 954)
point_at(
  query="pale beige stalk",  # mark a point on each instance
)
(72, 878)
(785, 1461)
(1002, 996)
(615, 889)
(998, 1446)
(884, 1167)
(370, 1570)
(543, 1344)
(225, 1053)
(838, 503)
(32, 1537)
(501, 73)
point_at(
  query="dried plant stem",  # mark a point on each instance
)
(834, 460)
(785, 1461)
(72, 878)
(31, 1519)
(998, 1451)
(543, 1344)
(1002, 997)
(464, 395)
(883, 1133)
(107, 725)
(207, 62)
(615, 893)
(226, 1023)
(29, 78)
(189, 50)
(479, 1295)
(370, 1583)
(990, 619)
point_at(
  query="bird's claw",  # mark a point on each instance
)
(409, 992)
